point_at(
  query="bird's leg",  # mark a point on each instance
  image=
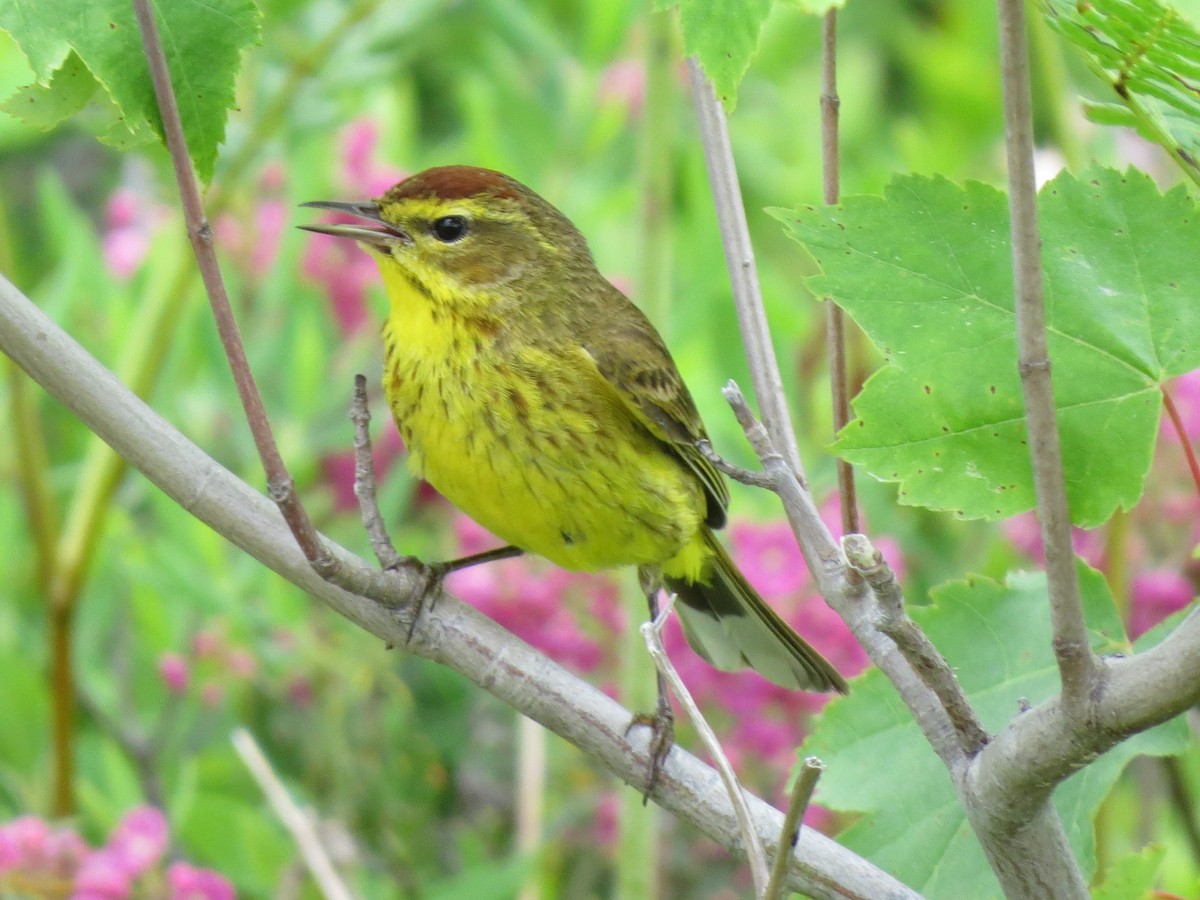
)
(662, 723)
(433, 575)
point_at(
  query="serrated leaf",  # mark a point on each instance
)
(1109, 114)
(877, 762)
(1149, 54)
(44, 107)
(1132, 876)
(202, 39)
(925, 271)
(723, 34)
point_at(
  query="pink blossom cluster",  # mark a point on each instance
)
(39, 860)
(212, 661)
(253, 241)
(130, 220)
(132, 217)
(538, 603)
(337, 265)
(1164, 527)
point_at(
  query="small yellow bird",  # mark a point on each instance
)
(540, 401)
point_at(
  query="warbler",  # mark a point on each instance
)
(539, 400)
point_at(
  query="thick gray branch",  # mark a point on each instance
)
(452, 634)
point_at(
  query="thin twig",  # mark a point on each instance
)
(737, 473)
(835, 318)
(920, 652)
(743, 275)
(802, 791)
(298, 823)
(1185, 441)
(279, 481)
(1077, 664)
(652, 635)
(364, 479)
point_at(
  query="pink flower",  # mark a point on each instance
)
(359, 169)
(129, 223)
(140, 841)
(103, 874)
(173, 670)
(769, 558)
(191, 883)
(241, 663)
(24, 842)
(1155, 595)
(207, 644)
(1024, 533)
(337, 264)
(624, 82)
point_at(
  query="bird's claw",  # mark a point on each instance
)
(432, 575)
(662, 739)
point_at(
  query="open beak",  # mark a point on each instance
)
(379, 234)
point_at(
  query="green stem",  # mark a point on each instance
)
(637, 857)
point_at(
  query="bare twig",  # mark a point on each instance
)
(652, 635)
(743, 276)
(835, 319)
(737, 473)
(279, 481)
(1076, 662)
(364, 479)
(924, 658)
(802, 791)
(298, 823)
(452, 634)
(1185, 442)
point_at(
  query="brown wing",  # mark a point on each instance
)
(633, 359)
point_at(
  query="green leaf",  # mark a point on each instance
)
(1132, 876)
(925, 272)
(43, 107)
(995, 636)
(1147, 53)
(723, 34)
(202, 39)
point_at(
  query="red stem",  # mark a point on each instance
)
(1189, 452)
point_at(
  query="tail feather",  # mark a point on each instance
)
(731, 626)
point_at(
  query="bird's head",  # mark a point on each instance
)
(465, 234)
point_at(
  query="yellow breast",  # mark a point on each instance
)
(530, 441)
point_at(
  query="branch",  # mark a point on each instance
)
(1076, 662)
(652, 635)
(1020, 767)
(743, 276)
(279, 481)
(920, 652)
(835, 319)
(297, 822)
(452, 633)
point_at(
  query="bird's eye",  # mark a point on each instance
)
(449, 229)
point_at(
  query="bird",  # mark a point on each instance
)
(541, 401)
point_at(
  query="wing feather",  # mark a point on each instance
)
(634, 361)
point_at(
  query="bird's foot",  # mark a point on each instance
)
(432, 576)
(662, 739)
